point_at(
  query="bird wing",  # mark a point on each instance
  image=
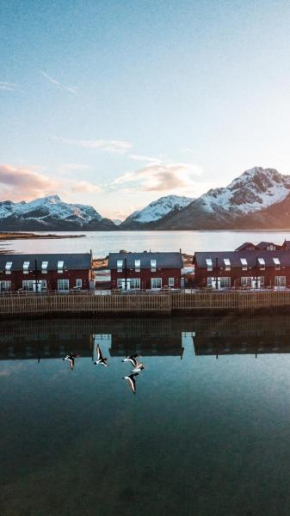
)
(99, 352)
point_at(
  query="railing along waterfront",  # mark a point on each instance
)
(143, 303)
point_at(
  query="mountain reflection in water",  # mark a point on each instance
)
(201, 436)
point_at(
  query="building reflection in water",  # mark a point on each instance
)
(41, 339)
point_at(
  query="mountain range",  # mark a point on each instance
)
(257, 199)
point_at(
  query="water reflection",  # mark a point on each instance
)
(222, 426)
(136, 338)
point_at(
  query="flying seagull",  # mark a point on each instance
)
(100, 359)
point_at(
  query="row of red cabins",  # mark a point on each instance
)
(249, 266)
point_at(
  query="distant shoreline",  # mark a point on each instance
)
(13, 235)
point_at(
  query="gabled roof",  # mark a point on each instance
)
(245, 245)
(163, 260)
(235, 258)
(264, 245)
(71, 261)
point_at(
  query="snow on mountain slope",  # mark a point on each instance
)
(51, 206)
(51, 213)
(156, 210)
(256, 190)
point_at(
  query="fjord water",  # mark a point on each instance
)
(104, 242)
(206, 433)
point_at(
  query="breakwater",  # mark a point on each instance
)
(141, 303)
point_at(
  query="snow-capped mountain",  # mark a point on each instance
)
(50, 213)
(247, 202)
(155, 211)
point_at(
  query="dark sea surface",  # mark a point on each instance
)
(104, 242)
(207, 432)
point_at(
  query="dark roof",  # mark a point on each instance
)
(264, 245)
(163, 260)
(235, 258)
(71, 261)
(244, 245)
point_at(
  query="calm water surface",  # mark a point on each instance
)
(207, 433)
(103, 242)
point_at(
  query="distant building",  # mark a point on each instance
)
(146, 271)
(286, 245)
(246, 246)
(267, 246)
(248, 269)
(43, 272)
(262, 246)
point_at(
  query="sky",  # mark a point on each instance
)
(115, 103)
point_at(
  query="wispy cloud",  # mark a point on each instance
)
(114, 146)
(8, 86)
(144, 159)
(159, 178)
(57, 83)
(18, 183)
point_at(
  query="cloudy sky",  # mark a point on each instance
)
(115, 103)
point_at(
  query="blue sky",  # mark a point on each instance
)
(116, 103)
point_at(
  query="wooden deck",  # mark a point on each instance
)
(34, 304)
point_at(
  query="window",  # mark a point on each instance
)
(227, 264)
(63, 284)
(246, 281)
(28, 285)
(137, 265)
(225, 282)
(60, 265)
(26, 267)
(156, 283)
(133, 283)
(171, 282)
(119, 265)
(244, 264)
(153, 264)
(209, 264)
(130, 283)
(261, 263)
(8, 267)
(276, 263)
(44, 266)
(280, 281)
(5, 285)
(79, 283)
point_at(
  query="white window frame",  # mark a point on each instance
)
(153, 265)
(137, 265)
(61, 283)
(79, 283)
(171, 282)
(280, 281)
(5, 286)
(262, 264)
(26, 267)
(119, 265)
(209, 264)
(246, 281)
(244, 264)
(133, 283)
(277, 263)
(227, 263)
(8, 266)
(60, 266)
(29, 285)
(225, 282)
(44, 266)
(155, 280)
